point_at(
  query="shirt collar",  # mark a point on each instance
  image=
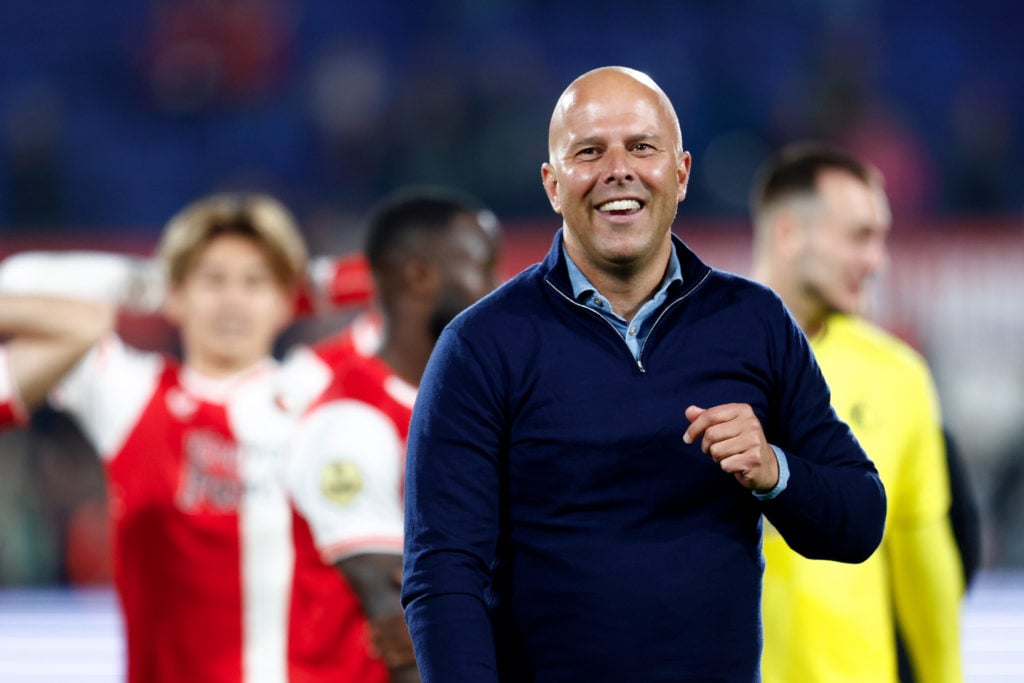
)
(581, 285)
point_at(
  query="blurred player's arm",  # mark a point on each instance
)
(963, 510)
(928, 587)
(132, 283)
(344, 478)
(928, 582)
(376, 579)
(137, 283)
(46, 337)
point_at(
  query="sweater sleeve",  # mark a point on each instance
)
(834, 504)
(452, 515)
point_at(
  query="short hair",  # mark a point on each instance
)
(795, 170)
(258, 217)
(399, 222)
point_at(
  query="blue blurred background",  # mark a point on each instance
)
(115, 114)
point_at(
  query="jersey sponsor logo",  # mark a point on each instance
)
(340, 482)
(211, 478)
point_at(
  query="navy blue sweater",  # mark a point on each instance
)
(558, 528)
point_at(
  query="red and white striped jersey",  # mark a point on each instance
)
(346, 470)
(204, 537)
(345, 474)
(361, 337)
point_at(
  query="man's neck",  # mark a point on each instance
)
(626, 289)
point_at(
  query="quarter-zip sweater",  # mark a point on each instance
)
(558, 528)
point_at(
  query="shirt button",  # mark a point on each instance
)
(599, 301)
(632, 331)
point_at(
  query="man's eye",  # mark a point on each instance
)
(642, 147)
(588, 152)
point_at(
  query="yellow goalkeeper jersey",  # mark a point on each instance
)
(830, 622)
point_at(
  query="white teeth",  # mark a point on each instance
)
(620, 205)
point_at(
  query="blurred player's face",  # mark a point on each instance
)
(616, 171)
(229, 307)
(467, 259)
(843, 243)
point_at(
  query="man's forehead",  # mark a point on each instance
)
(594, 118)
(601, 95)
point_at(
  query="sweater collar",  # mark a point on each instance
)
(692, 269)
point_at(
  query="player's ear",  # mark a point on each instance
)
(421, 276)
(788, 232)
(173, 305)
(284, 311)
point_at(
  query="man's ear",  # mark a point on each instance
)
(683, 173)
(550, 180)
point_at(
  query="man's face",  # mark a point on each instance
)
(229, 306)
(616, 173)
(844, 243)
(467, 260)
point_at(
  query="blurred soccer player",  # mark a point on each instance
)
(432, 253)
(45, 337)
(821, 221)
(204, 552)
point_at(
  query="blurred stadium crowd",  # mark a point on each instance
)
(115, 114)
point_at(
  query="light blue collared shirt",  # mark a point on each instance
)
(635, 332)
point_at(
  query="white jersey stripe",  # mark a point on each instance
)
(268, 554)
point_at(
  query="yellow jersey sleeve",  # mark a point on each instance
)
(829, 622)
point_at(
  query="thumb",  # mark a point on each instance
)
(693, 412)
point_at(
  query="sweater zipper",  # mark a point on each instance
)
(666, 309)
(639, 363)
(602, 319)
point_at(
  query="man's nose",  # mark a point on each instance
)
(619, 165)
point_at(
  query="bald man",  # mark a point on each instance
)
(595, 442)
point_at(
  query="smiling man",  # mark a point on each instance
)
(595, 442)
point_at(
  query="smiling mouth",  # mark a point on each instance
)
(620, 207)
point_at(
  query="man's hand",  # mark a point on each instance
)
(733, 436)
